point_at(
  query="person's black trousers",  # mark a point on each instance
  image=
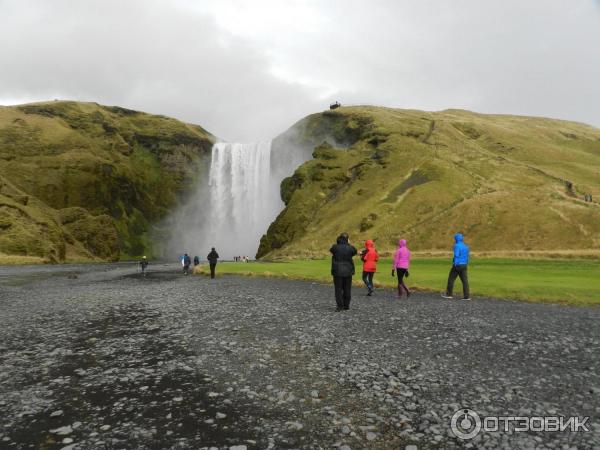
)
(343, 294)
(212, 269)
(461, 272)
(368, 279)
(401, 273)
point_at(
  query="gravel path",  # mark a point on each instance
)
(99, 357)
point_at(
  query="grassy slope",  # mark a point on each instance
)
(574, 282)
(84, 181)
(387, 173)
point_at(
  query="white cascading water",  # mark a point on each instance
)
(234, 207)
(243, 198)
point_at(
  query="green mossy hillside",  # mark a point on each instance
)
(83, 181)
(509, 183)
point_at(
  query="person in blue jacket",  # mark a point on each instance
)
(459, 268)
(186, 261)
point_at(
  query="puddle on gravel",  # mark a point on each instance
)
(126, 372)
(21, 275)
(24, 279)
(150, 276)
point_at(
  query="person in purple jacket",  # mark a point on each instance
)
(401, 263)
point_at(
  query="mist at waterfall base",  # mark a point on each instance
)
(232, 207)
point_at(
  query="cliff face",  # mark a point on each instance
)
(86, 181)
(82, 181)
(507, 182)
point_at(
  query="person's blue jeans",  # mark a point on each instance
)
(368, 279)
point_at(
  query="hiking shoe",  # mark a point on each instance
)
(468, 298)
(449, 297)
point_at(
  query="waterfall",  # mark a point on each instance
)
(243, 198)
(232, 207)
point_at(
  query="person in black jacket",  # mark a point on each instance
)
(342, 269)
(144, 265)
(212, 260)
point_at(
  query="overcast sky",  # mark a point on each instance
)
(247, 70)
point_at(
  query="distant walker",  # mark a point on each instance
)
(212, 257)
(342, 269)
(144, 265)
(459, 268)
(185, 262)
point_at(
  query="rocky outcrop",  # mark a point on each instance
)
(86, 181)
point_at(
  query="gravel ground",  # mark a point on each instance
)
(99, 357)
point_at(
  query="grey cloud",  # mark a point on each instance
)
(148, 56)
(536, 57)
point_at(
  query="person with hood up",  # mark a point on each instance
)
(459, 268)
(369, 257)
(212, 257)
(186, 261)
(342, 269)
(400, 266)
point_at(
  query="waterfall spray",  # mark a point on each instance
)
(235, 202)
(243, 197)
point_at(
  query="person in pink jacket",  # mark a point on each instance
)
(401, 264)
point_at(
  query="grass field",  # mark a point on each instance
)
(575, 282)
(10, 260)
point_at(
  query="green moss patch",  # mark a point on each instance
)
(384, 174)
(101, 176)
